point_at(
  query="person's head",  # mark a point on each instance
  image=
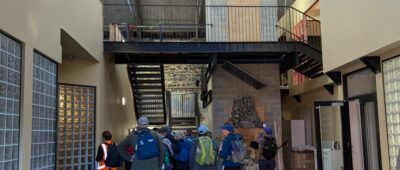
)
(106, 135)
(202, 130)
(162, 131)
(143, 122)
(188, 132)
(155, 129)
(227, 129)
(268, 130)
(179, 136)
(169, 129)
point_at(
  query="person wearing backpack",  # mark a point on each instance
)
(149, 152)
(203, 155)
(182, 149)
(108, 157)
(227, 148)
(167, 146)
(268, 150)
(189, 134)
(169, 134)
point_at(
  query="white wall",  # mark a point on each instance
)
(352, 29)
(39, 22)
(37, 25)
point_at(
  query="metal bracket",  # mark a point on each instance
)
(243, 75)
(373, 63)
(297, 98)
(206, 97)
(335, 76)
(212, 63)
(329, 88)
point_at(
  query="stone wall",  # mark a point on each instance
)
(227, 87)
(182, 78)
(181, 75)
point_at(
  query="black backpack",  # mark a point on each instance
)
(114, 159)
(270, 148)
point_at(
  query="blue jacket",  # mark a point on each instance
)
(227, 150)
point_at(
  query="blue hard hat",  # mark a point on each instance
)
(268, 130)
(202, 129)
(229, 127)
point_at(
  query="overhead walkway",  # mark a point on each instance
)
(193, 34)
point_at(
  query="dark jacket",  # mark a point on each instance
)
(226, 151)
(150, 164)
(194, 165)
(261, 143)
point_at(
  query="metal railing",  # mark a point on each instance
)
(187, 23)
(183, 109)
(183, 104)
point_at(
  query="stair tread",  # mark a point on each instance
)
(148, 93)
(149, 103)
(146, 81)
(147, 87)
(145, 65)
(146, 75)
(146, 69)
(151, 111)
(305, 64)
(310, 67)
(309, 73)
(147, 90)
(149, 98)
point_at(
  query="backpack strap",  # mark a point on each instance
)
(104, 151)
(102, 163)
(135, 139)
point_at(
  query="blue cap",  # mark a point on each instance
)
(202, 129)
(268, 130)
(143, 121)
(229, 127)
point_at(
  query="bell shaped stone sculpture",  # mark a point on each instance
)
(243, 113)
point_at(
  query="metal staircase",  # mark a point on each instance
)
(308, 66)
(307, 56)
(148, 89)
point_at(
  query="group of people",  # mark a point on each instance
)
(162, 149)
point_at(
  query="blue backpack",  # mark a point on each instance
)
(146, 146)
(184, 150)
(238, 152)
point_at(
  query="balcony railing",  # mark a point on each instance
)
(186, 23)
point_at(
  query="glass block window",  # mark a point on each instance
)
(76, 121)
(391, 76)
(10, 88)
(44, 111)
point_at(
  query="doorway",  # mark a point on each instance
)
(333, 135)
(360, 92)
(364, 130)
